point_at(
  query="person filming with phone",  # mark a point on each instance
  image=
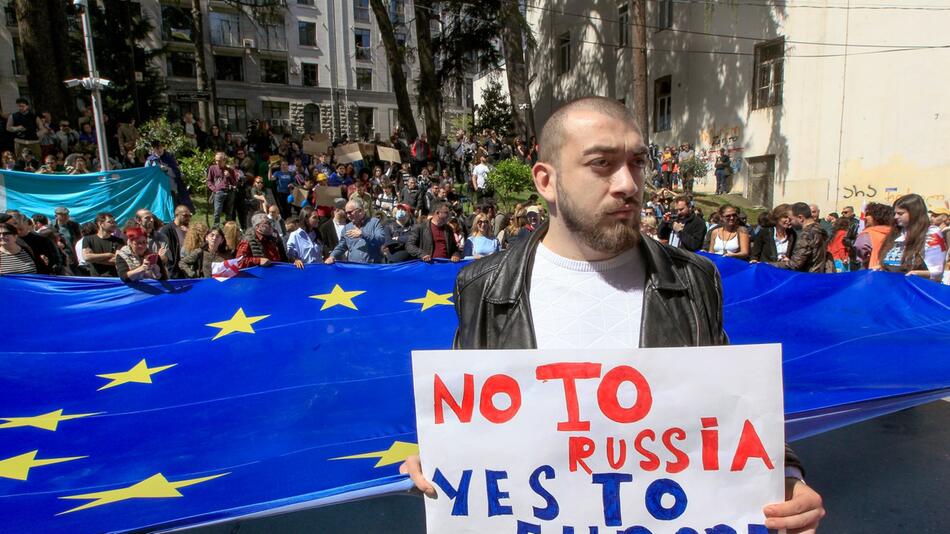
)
(136, 262)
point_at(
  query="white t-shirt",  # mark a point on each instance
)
(581, 304)
(481, 175)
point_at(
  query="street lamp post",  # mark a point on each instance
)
(93, 83)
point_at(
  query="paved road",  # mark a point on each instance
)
(890, 475)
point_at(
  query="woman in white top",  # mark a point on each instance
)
(729, 239)
(913, 246)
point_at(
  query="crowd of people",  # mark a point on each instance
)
(273, 202)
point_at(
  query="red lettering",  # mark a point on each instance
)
(652, 462)
(618, 462)
(682, 461)
(710, 443)
(610, 404)
(578, 448)
(750, 446)
(499, 384)
(569, 372)
(442, 394)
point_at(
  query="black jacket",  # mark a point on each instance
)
(682, 301)
(173, 256)
(421, 243)
(691, 238)
(328, 235)
(763, 245)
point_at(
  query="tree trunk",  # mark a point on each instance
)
(45, 55)
(518, 90)
(394, 57)
(430, 92)
(201, 65)
(640, 68)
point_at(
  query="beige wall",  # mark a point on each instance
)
(872, 122)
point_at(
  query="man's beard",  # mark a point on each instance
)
(596, 231)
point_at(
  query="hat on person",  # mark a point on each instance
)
(940, 211)
(340, 203)
(61, 210)
(533, 209)
(258, 218)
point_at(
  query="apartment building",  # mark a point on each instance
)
(318, 66)
(824, 101)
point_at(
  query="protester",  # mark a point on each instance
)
(99, 249)
(14, 259)
(434, 239)
(397, 234)
(194, 237)
(481, 243)
(837, 247)
(134, 261)
(913, 246)
(173, 235)
(682, 228)
(723, 172)
(810, 253)
(776, 241)
(362, 238)
(232, 236)
(729, 240)
(516, 230)
(303, 247)
(198, 263)
(260, 245)
(877, 224)
(222, 182)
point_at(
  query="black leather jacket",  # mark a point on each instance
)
(682, 301)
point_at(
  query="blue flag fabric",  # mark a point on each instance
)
(120, 192)
(162, 404)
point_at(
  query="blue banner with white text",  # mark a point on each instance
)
(173, 403)
(120, 192)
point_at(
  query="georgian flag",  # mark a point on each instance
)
(222, 270)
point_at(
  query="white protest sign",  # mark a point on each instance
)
(646, 441)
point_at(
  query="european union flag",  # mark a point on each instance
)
(171, 403)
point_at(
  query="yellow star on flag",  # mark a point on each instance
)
(141, 374)
(396, 453)
(433, 299)
(18, 467)
(153, 487)
(46, 421)
(338, 297)
(237, 323)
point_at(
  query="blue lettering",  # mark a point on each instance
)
(460, 506)
(655, 492)
(721, 529)
(611, 495)
(528, 528)
(551, 510)
(686, 530)
(635, 530)
(494, 494)
(758, 529)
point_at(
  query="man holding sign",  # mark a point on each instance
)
(588, 281)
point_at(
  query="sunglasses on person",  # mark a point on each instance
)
(5, 234)
(351, 212)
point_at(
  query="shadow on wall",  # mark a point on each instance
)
(711, 77)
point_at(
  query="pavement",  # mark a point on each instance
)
(889, 475)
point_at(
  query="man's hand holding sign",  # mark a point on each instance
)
(634, 440)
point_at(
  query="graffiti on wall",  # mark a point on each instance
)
(711, 140)
(885, 194)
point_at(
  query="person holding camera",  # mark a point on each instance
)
(135, 262)
(681, 227)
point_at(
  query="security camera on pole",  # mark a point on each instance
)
(92, 83)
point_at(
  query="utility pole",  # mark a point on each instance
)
(93, 83)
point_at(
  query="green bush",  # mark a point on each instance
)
(510, 177)
(194, 170)
(171, 134)
(693, 168)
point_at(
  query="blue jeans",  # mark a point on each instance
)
(721, 178)
(219, 199)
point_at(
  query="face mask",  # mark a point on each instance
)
(401, 214)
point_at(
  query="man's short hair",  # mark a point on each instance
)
(801, 209)
(681, 198)
(22, 100)
(357, 203)
(102, 216)
(258, 218)
(156, 144)
(181, 208)
(552, 134)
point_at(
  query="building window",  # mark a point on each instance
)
(229, 68)
(177, 107)
(225, 29)
(364, 79)
(769, 74)
(304, 2)
(564, 53)
(311, 118)
(278, 114)
(19, 62)
(361, 10)
(176, 24)
(273, 36)
(181, 64)
(664, 14)
(232, 115)
(623, 20)
(663, 104)
(397, 11)
(365, 122)
(363, 50)
(309, 73)
(9, 12)
(307, 32)
(274, 71)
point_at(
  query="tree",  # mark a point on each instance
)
(513, 33)
(396, 58)
(45, 51)
(640, 68)
(495, 113)
(429, 89)
(510, 177)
